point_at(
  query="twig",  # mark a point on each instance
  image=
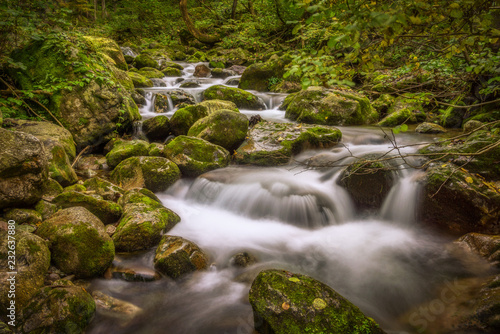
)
(79, 155)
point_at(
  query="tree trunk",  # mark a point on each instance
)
(204, 38)
(233, 11)
(103, 5)
(95, 10)
(250, 8)
(278, 13)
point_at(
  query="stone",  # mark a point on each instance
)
(23, 216)
(242, 99)
(145, 60)
(156, 128)
(201, 71)
(427, 127)
(222, 73)
(172, 72)
(484, 245)
(139, 80)
(184, 118)
(472, 125)
(107, 190)
(116, 308)
(405, 110)
(151, 73)
(259, 76)
(126, 149)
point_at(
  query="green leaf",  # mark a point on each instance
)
(404, 127)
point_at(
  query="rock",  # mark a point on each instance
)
(273, 144)
(158, 82)
(460, 202)
(135, 274)
(172, 72)
(88, 163)
(453, 117)
(59, 308)
(222, 73)
(216, 64)
(107, 190)
(171, 64)
(176, 256)
(184, 118)
(242, 99)
(254, 120)
(151, 73)
(155, 150)
(225, 128)
(284, 302)
(486, 246)
(243, 260)
(427, 127)
(216, 105)
(110, 50)
(45, 209)
(156, 128)
(139, 80)
(190, 84)
(472, 125)
(154, 173)
(79, 243)
(285, 86)
(143, 223)
(116, 308)
(80, 188)
(180, 96)
(238, 69)
(233, 82)
(317, 105)
(51, 189)
(23, 169)
(195, 156)
(126, 149)
(161, 103)
(93, 112)
(108, 212)
(145, 60)
(32, 263)
(201, 71)
(383, 103)
(23, 216)
(259, 76)
(405, 110)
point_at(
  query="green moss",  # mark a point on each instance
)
(405, 110)
(185, 117)
(242, 99)
(126, 149)
(139, 80)
(150, 72)
(145, 60)
(171, 72)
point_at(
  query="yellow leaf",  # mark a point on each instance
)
(415, 20)
(454, 5)
(444, 165)
(285, 306)
(469, 179)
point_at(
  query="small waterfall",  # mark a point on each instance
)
(170, 103)
(137, 130)
(127, 51)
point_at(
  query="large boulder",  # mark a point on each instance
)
(60, 308)
(143, 223)
(139, 80)
(156, 128)
(125, 149)
(95, 100)
(405, 110)
(318, 105)
(78, 241)
(216, 105)
(427, 127)
(242, 99)
(259, 76)
(273, 144)
(176, 256)
(23, 169)
(153, 173)
(184, 118)
(145, 60)
(284, 302)
(109, 50)
(107, 190)
(32, 263)
(195, 156)
(201, 71)
(225, 128)
(151, 73)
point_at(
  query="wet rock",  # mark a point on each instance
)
(45, 209)
(222, 73)
(59, 308)
(180, 96)
(233, 82)
(176, 256)
(201, 71)
(184, 118)
(405, 110)
(78, 241)
(172, 72)
(216, 105)
(317, 105)
(259, 76)
(383, 103)
(273, 144)
(32, 263)
(157, 83)
(195, 156)
(472, 125)
(107, 190)
(190, 84)
(116, 308)
(145, 60)
(254, 120)
(242, 99)
(284, 302)
(139, 80)
(243, 260)
(155, 150)
(165, 64)
(23, 216)
(225, 128)
(126, 149)
(156, 128)
(430, 128)
(486, 246)
(151, 73)
(161, 104)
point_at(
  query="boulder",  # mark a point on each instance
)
(145, 60)
(161, 103)
(225, 128)
(139, 80)
(195, 156)
(116, 308)
(242, 99)
(222, 73)
(109, 50)
(143, 223)
(165, 64)
(472, 125)
(238, 69)
(259, 76)
(284, 302)
(190, 84)
(176, 256)
(242, 260)
(51, 189)
(158, 82)
(153, 173)
(273, 144)
(59, 308)
(216, 105)
(383, 103)
(172, 72)
(126, 149)
(23, 169)
(79, 243)
(201, 71)
(184, 118)
(427, 127)
(155, 150)
(45, 209)
(32, 263)
(107, 190)
(177, 97)
(405, 110)
(23, 216)
(151, 73)
(318, 105)
(156, 128)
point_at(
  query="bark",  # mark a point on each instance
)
(95, 10)
(250, 7)
(233, 11)
(103, 5)
(204, 38)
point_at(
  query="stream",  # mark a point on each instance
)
(294, 218)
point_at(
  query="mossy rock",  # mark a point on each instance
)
(153, 173)
(273, 144)
(151, 73)
(285, 86)
(259, 76)
(471, 125)
(197, 57)
(184, 118)
(109, 49)
(161, 104)
(143, 224)
(156, 128)
(222, 73)
(155, 150)
(140, 196)
(216, 105)
(176, 257)
(107, 190)
(195, 156)
(405, 110)
(284, 302)
(125, 150)
(23, 216)
(171, 72)
(317, 105)
(32, 263)
(78, 241)
(139, 80)
(427, 127)
(242, 99)
(108, 212)
(179, 97)
(80, 188)
(171, 64)
(145, 60)
(60, 308)
(46, 209)
(225, 128)
(50, 189)
(383, 103)
(60, 168)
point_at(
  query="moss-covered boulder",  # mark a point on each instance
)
(195, 156)
(107, 190)
(78, 241)
(145, 60)
(176, 256)
(109, 50)
(126, 149)
(156, 128)
(155, 150)
(45, 209)
(383, 103)
(216, 105)
(107, 211)
(139, 80)
(151, 73)
(184, 118)
(284, 302)
(143, 223)
(91, 110)
(201, 71)
(427, 127)
(23, 216)
(23, 169)
(32, 263)
(51, 189)
(172, 72)
(225, 128)
(161, 103)
(242, 99)
(259, 76)
(273, 144)
(459, 202)
(165, 64)
(317, 105)
(176, 96)
(472, 125)
(180, 96)
(405, 110)
(60, 308)
(153, 173)
(222, 73)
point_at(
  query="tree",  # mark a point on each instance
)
(204, 38)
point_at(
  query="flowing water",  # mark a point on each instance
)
(296, 218)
